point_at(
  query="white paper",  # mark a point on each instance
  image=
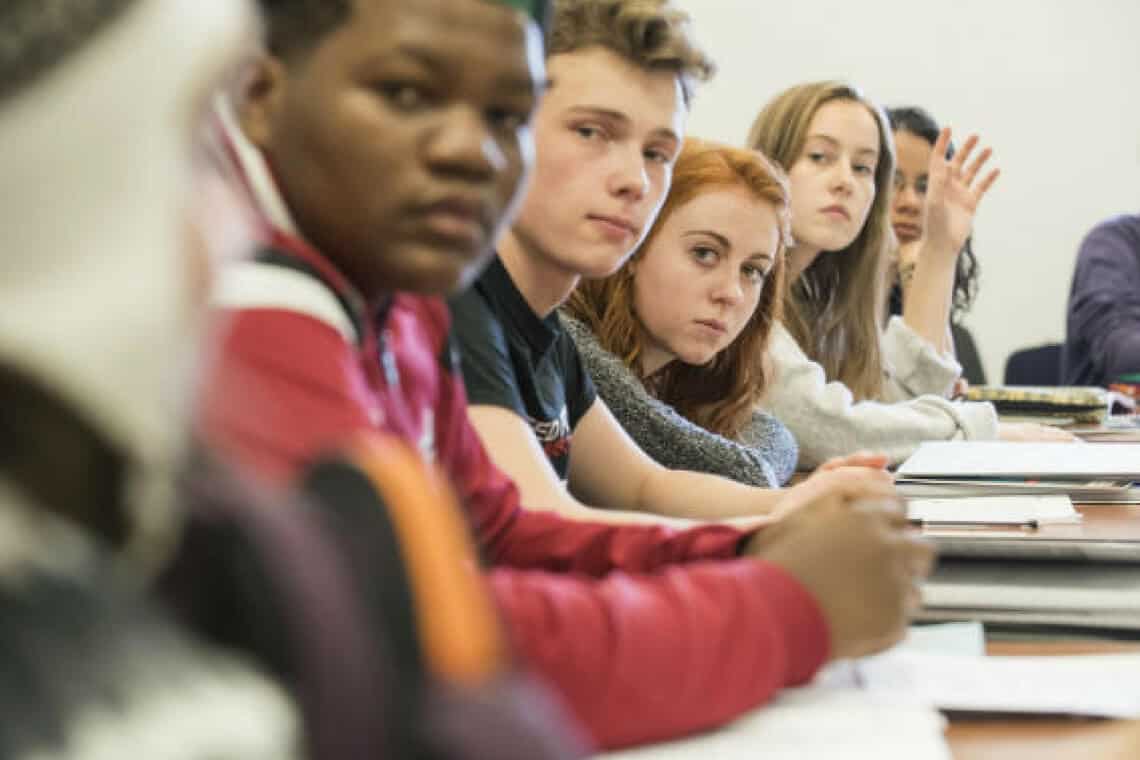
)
(1087, 685)
(945, 638)
(833, 717)
(994, 509)
(824, 722)
(1023, 460)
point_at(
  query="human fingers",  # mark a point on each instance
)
(874, 460)
(891, 510)
(986, 184)
(861, 483)
(976, 166)
(938, 155)
(913, 562)
(962, 156)
(921, 555)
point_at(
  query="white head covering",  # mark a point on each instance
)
(94, 272)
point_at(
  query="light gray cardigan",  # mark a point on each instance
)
(764, 456)
(827, 422)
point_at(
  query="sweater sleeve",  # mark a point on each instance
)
(766, 433)
(765, 457)
(914, 367)
(827, 422)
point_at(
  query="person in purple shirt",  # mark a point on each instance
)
(1102, 342)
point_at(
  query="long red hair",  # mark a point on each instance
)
(720, 395)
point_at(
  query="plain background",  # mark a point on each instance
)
(1052, 85)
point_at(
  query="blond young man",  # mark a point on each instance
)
(621, 76)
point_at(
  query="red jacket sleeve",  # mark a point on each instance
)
(283, 389)
(641, 658)
(658, 651)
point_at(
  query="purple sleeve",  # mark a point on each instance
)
(1103, 340)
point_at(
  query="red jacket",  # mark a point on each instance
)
(683, 638)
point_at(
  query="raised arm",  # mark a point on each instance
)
(953, 195)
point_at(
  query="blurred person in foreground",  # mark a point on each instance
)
(94, 315)
(265, 644)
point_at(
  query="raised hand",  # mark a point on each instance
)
(954, 193)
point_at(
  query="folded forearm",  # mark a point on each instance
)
(678, 493)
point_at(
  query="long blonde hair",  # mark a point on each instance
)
(834, 309)
(720, 395)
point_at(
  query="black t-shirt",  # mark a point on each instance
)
(514, 359)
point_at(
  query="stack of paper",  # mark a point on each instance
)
(959, 460)
(1087, 473)
(1085, 595)
(1081, 492)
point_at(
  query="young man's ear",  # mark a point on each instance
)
(260, 97)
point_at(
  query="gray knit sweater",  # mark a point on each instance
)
(764, 456)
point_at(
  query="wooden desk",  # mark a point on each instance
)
(1054, 739)
(1100, 522)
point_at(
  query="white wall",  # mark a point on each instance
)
(1053, 85)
